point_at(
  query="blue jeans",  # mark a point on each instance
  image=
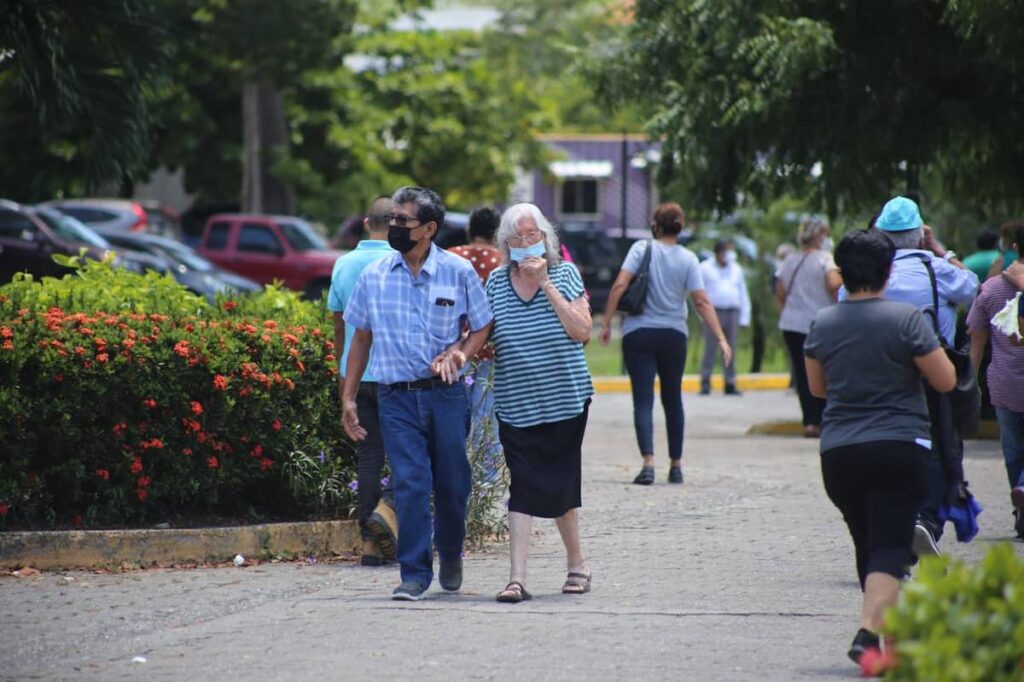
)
(425, 437)
(1011, 435)
(483, 431)
(661, 352)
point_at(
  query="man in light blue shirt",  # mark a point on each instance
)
(378, 523)
(411, 308)
(955, 285)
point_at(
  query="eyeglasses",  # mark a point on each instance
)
(401, 220)
(526, 239)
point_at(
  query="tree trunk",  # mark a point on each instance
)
(265, 132)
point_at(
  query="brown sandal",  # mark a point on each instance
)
(514, 593)
(576, 583)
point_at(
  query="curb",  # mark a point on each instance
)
(988, 429)
(691, 383)
(47, 550)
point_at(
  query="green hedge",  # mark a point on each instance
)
(955, 623)
(125, 399)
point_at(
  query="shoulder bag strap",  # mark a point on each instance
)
(792, 280)
(927, 261)
(645, 263)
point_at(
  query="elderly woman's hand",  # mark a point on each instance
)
(448, 364)
(534, 270)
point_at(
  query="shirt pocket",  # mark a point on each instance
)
(443, 312)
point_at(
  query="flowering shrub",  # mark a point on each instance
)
(125, 399)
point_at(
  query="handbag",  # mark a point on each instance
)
(965, 398)
(633, 299)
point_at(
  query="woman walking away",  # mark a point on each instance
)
(867, 355)
(806, 282)
(542, 389)
(654, 341)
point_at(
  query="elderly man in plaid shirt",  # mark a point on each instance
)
(412, 307)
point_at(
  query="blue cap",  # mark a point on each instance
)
(898, 215)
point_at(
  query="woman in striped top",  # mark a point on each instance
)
(542, 388)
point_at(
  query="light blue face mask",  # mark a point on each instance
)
(520, 254)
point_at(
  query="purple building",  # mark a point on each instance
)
(595, 177)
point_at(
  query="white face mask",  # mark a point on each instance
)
(730, 256)
(826, 244)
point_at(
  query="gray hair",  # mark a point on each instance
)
(507, 229)
(907, 239)
(428, 204)
(810, 230)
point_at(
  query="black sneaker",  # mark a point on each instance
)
(450, 575)
(645, 477)
(409, 590)
(675, 475)
(862, 642)
(924, 541)
(705, 388)
(730, 389)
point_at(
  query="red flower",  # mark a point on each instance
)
(103, 473)
(144, 481)
(4, 509)
(265, 338)
(330, 357)
(201, 437)
(79, 350)
(136, 465)
(197, 408)
(299, 366)
(102, 357)
(6, 333)
(276, 425)
(192, 425)
(245, 391)
(230, 305)
(289, 384)
(128, 343)
(7, 345)
(119, 428)
(186, 451)
(153, 443)
(294, 352)
(141, 494)
(58, 377)
(265, 464)
(189, 328)
(257, 451)
(220, 382)
(149, 402)
(212, 462)
(875, 663)
(290, 338)
(181, 348)
(270, 324)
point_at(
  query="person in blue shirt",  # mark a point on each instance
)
(411, 308)
(378, 523)
(955, 285)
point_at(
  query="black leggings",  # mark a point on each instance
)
(878, 486)
(810, 406)
(661, 352)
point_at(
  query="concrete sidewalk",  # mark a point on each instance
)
(744, 573)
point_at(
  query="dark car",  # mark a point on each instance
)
(597, 256)
(30, 238)
(186, 266)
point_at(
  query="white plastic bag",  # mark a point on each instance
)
(1007, 320)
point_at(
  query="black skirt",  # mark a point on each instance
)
(544, 465)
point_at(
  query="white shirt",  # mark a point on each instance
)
(727, 287)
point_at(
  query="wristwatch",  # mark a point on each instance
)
(949, 255)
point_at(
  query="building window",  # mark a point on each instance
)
(579, 198)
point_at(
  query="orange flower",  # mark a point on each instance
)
(197, 408)
(136, 465)
(265, 339)
(103, 473)
(79, 350)
(212, 462)
(270, 324)
(102, 357)
(289, 384)
(289, 338)
(299, 366)
(128, 343)
(330, 357)
(7, 345)
(220, 382)
(6, 333)
(230, 305)
(294, 352)
(181, 348)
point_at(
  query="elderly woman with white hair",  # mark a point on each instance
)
(807, 281)
(542, 388)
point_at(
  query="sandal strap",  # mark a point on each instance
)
(577, 574)
(515, 586)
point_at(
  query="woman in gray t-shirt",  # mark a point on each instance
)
(654, 340)
(867, 356)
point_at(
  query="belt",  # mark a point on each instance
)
(420, 384)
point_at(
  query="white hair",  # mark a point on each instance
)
(907, 239)
(508, 229)
(810, 230)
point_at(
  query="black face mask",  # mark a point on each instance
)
(399, 239)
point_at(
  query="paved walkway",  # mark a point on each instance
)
(744, 573)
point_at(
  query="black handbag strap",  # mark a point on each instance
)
(645, 262)
(927, 261)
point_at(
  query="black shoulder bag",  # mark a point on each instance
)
(635, 296)
(965, 399)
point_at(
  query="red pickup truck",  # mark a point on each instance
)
(269, 247)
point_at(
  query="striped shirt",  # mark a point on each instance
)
(415, 319)
(540, 374)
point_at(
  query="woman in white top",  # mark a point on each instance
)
(806, 282)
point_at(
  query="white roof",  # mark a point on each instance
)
(581, 169)
(450, 19)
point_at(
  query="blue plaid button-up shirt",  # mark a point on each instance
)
(413, 319)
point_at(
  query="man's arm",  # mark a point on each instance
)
(358, 357)
(979, 339)
(339, 347)
(707, 314)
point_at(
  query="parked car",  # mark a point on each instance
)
(597, 256)
(267, 248)
(191, 270)
(120, 214)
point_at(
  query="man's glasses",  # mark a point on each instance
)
(401, 220)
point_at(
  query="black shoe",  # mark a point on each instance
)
(675, 475)
(645, 477)
(730, 389)
(862, 642)
(450, 575)
(1018, 522)
(705, 389)
(409, 590)
(924, 541)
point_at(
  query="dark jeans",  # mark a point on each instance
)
(878, 487)
(370, 457)
(425, 435)
(810, 406)
(661, 352)
(945, 461)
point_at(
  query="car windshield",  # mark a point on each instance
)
(72, 229)
(301, 237)
(190, 258)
